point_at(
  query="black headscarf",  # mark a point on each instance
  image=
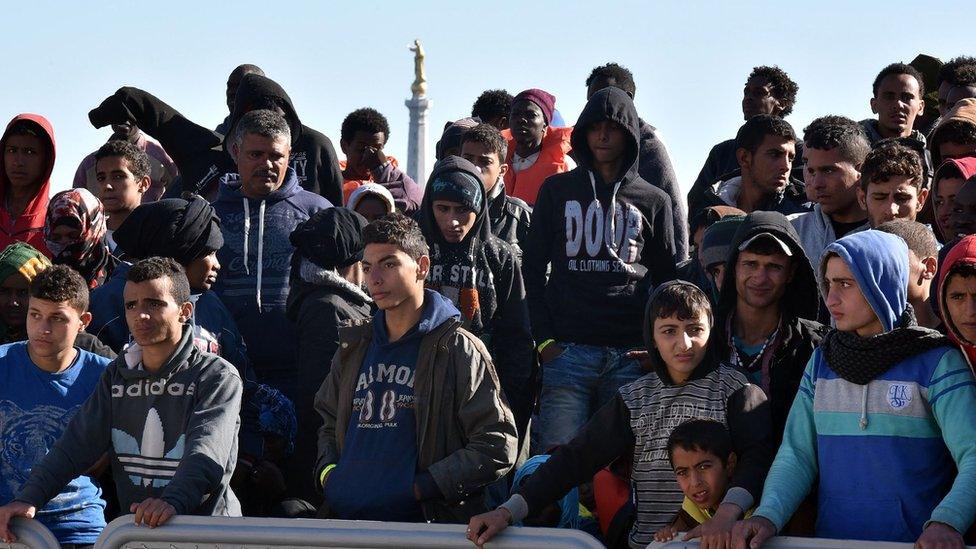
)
(172, 227)
(331, 238)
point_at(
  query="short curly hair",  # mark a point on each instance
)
(899, 68)
(959, 132)
(622, 77)
(832, 131)
(490, 137)
(367, 120)
(137, 158)
(948, 71)
(399, 230)
(888, 159)
(162, 267)
(492, 104)
(751, 135)
(61, 283)
(783, 87)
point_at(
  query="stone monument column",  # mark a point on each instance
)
(418, 105)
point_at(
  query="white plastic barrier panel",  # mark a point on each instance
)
(187, 532)
(31, 534)
(787, 542)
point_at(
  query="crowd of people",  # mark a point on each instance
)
(235, 322)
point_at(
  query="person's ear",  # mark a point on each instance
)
(85, 319)
(862, 198)
(235, 149)
(930, 267)
(344, 146)
(186, 312)
(921, 106)
(503, 170)
(874, 105)
(923, 195)
(423, 267)
(731, 463)
(143, 185)
(744, 158)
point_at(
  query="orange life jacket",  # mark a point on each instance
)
(552, 160)
(350, 185)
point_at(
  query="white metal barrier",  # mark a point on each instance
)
(786, 542)
(31, 534)
(187, 532)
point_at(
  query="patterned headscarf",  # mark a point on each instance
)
(78, 209)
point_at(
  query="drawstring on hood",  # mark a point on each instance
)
(247, 237)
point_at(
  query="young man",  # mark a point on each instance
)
(364, 134)
(27, 148)
(962, 220)
(696, 269)
(880, 420)
(450, 142)
(685, 383)
(654, 165)
(947, 80)
(765, 149)
(957, 296)
(19, 264)
(834, 149)
(923, 263)
(715, 249)
(493, 107)
(166, 413)
(43, 383)
(955, 135)
(258, 208)
(892, 186)
(897, 100)
(160, 168)
(536, 149)
(122, 176)
(414, 423)
(326, 294)
(949, 179)
(766, 321)
(607, 236)
(481, 275)
(768, 90)
(510, 217)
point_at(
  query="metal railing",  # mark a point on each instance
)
(31, 534)
(787, 542)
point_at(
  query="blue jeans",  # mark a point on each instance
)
(574, 386)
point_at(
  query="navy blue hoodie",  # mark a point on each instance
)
(255, 292)
(374, 479)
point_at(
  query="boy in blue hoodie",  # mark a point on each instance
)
(415, 424)
(881, 417)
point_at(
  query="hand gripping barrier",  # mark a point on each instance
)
(187, 532)
(31, 534)
(787, 542)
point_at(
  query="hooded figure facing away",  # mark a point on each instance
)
(608, 237)
(882, 420)
(26, 162)
(481, 275)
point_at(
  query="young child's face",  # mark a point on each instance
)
(681, 343)
(702, 476)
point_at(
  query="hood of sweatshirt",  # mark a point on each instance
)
(879, 263)
(428, 224)
(654, 359)
(608, 104)
(962, 254)
(33, 216)
(963, 111)
(437, 310)
(802, 298)
(260, 92)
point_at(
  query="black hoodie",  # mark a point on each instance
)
(484, 268)
(595, 293)
(199, 152)
(655, 168)
(786, 355)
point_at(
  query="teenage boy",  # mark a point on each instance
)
(701, 455)
(834, 149)
(685, 383)
(897, 100)
(768, 90)
(962, 220)
(606, 236)
(414, 423)
(767, 311)
(923, 264)
(364, 134)
(949, 179)
(122, 179)
(957, 296)
(43, 383)
(536, 148)
(765, 148)
(891, 185)
(879, 422)
(493, 107)
(166, 413)
(481, 275)
(510, 217)
(160, 168)
(27, 153)
(955, 135)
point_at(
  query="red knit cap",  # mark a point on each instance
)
(545, 100)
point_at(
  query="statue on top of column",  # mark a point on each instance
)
(419, 86)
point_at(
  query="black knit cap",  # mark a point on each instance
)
(173, 227)
(457, 186)
(331, 238)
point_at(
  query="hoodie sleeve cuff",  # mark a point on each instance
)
(427, 487)
(740, 497)
(517, 507)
